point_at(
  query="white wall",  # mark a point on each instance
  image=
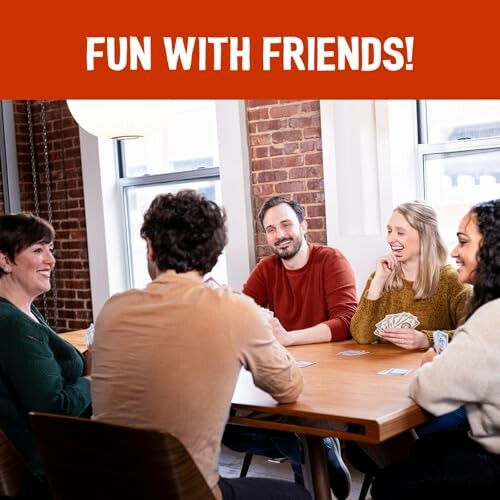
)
(370, 167)
(104, 205)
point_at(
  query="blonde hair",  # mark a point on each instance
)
(433, 252)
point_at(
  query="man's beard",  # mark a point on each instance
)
(290, 251)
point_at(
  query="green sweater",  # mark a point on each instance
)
(444, 310)
(39, 371)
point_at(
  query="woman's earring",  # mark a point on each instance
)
(5, 269)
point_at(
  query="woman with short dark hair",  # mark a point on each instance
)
(39, 371)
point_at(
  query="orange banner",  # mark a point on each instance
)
(259, 50)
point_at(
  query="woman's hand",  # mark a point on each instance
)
(407, 338)
(429, 355)
(384, 267)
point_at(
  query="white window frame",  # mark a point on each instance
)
(105, 211)
(444, 149)
(8, 158)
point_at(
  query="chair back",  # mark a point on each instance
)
(87, 459)
(14, 471)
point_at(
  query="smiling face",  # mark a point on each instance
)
(284, 232)
(465, 253)
(403, 239)
(32, 268)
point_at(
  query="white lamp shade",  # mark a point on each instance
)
(119, 118)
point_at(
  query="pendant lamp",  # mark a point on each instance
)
(119, 118)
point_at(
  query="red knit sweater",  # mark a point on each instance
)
(323, 291)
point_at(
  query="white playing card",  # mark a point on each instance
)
(395, 371)
(353, 352)
(440, 340)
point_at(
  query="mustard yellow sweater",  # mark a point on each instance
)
(444, 310)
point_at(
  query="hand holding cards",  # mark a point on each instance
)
(399, 320)
(440, 340)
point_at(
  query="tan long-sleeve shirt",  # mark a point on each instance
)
(168, 358)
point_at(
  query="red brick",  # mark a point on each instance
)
(304, 172)
(315, 211)
(258, 114)
(272, 176)
(286, 136)
(314, 158)
(268, 125)
(284, 111)
(288, 161)
(257, 103)
(317, 223)
(312, 132)
(290, 187)
(258, 139)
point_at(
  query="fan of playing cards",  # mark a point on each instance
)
(399, 320)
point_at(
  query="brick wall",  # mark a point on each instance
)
(72, 284)
(286, 160)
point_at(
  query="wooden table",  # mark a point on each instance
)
(343, 390)
(339, 389)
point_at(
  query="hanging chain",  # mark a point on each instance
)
(49, 207)
(35, 183)
(33, 159)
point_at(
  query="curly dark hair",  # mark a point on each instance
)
(187, 232)
(487, 279)
(278, 200)
(21, 230)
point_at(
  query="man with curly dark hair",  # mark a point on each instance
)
(460, 463)
(167, 357)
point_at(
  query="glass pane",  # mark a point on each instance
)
(453, 120)
(138, 199)
(455, 182)
(187, 142)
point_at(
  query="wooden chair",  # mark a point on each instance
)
(85, 459)
(14, 471)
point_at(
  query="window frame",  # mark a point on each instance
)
(104, 210)
(443, 150)
(210, 174)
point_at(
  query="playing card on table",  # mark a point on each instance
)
(353, 352)
(395, 371)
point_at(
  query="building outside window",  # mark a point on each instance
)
(182, 155)
(459, 157)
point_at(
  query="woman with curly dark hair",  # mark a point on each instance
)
(461, 464)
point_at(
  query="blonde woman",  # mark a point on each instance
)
(413, 278)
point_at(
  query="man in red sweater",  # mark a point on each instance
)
(311, 291)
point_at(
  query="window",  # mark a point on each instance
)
(183, 155)
(459, 157)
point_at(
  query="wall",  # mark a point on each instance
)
(72, 283)
(286, 160)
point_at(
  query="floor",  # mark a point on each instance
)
(230, 466)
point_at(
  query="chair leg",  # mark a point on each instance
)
(367, 481)
(246, 464)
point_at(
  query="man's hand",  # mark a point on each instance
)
(407, 338)
(87, 356)
(285, 338)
